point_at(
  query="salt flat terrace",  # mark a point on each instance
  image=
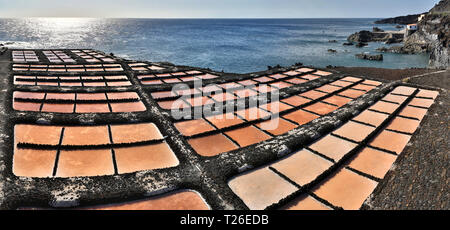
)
(86, 130)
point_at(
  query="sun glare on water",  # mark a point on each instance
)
(62, 24)
(55, 32)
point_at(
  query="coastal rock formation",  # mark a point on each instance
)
(433, 36)
(441, 7)
(376, 36)
(361, 36)
(406, 49)
(392, 39)
(3, 49)
(416, 43)
(377, 57)
(376, 29)
(361, 44)
(440, 56)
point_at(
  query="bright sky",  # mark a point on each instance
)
(213, 8)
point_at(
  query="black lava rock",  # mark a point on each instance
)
(377, 57)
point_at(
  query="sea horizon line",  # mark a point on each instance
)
(174, 18)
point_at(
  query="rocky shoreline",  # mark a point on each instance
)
(376, 35)
(432, 36)
(377, 57)
(3, 49)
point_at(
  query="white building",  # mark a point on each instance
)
(411, 27)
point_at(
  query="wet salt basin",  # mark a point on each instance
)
(136, 132)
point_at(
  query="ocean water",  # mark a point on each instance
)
(231, 45)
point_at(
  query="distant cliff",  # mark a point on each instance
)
(403, 20)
